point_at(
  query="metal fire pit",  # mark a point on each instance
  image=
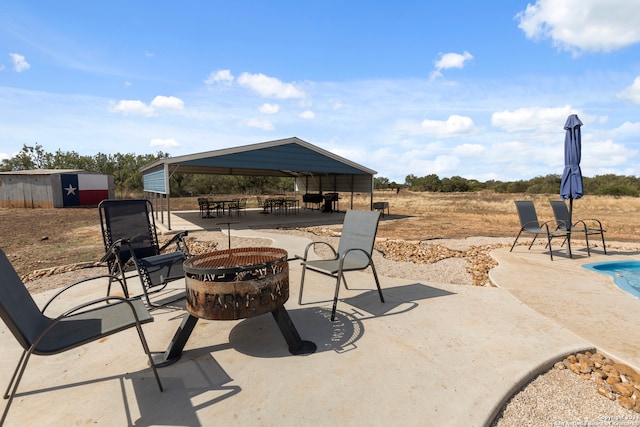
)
(236, 283)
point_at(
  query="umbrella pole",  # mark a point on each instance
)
(569, 226)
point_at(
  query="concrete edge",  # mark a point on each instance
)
(528, 377)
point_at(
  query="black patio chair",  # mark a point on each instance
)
(131, 242)
(42, 335)
(529, 224)
(588, 226)
(238, 205)
(354, 253)
(205, 207)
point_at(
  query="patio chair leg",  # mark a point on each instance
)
(335, 298)
(586, 239)
(515, 241)
(145, 346)
(375, 276)
(13, 377)
(304, 269)
(344, 279)
(15, 381)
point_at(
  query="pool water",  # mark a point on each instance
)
(626, 274)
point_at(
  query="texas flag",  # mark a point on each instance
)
(84, 189)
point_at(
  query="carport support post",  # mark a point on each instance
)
(352, 179)
(372, 190)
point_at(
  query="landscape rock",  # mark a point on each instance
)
(622, 389)
(615, 381)
(626, 402)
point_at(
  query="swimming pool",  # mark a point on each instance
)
(626, 274)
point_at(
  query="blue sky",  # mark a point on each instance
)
(476, 89)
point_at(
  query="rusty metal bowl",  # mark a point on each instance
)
(236, 283)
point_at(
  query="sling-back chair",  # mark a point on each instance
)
(354, 252)
(40, 334)
(131, 241)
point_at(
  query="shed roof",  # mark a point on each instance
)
(44, 172)
(291, 157)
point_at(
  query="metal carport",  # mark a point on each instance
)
(315, 170)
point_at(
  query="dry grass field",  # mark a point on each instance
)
(42, 238)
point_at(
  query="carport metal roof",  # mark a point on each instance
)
(314, 169)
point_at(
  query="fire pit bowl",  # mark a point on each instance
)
(236, 283)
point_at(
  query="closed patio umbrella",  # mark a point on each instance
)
(571, 182)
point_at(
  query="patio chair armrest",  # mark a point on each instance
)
(85, 280)
(312, 245)
(178, 240)
(344, 255)
(111, 253)
(561, 224)
(584, 222)
(561, 228)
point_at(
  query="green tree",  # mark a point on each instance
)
(380, 182)
(30, 157)
(432, 183)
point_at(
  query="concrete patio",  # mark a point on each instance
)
(433, 354)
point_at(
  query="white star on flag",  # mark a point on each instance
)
(71, 190)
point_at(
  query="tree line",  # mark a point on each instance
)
(610, 184)
(127, 177)
(125, 169)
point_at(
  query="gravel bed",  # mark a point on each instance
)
(562, 398)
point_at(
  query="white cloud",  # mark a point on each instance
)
(270, 86)
(627, 130)
(133, 107)
(453, 126)
(469, 150)
(167, 102)
(632, 92)
(223, 77)
(159, 142)
(307, 114)
(442, 165)
(269, 108)
(532, 118)
(453, 60)
(19, 63)
(583, 25)
(605, 153)
(450, 60)
(139, 108)
(260, 124)
(355, 154)
(419, 161)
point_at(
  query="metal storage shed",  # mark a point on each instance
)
(315, 170)
(54, 188)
